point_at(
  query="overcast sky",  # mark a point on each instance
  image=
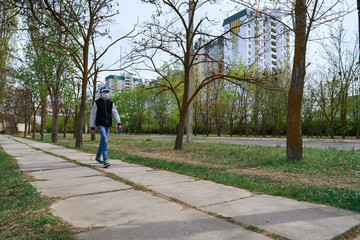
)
(134, 12)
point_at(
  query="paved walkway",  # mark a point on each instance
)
(109, 209)
(345, 144)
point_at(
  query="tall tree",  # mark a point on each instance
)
(51, 64)
(327, 96)
(343, 59)
(175, 37)
(8, 27)
(306, 15)
(83, 20)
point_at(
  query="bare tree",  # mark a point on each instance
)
(327, 96)
(175, 37)
(343, 59)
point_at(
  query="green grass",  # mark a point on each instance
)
(24, 214)
(326, 176)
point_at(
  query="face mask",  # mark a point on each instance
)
(105, 95)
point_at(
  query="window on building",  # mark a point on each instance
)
(249, 52)
(249, 45)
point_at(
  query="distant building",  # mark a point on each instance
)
(256, 38)
(212, 51)
(250, 37)
(117, 83)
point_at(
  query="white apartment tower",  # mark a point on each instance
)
(256, 39)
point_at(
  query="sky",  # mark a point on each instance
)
(133, 12)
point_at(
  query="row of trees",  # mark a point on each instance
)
(62, 47)
(60, 56)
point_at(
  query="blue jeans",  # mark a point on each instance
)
(104, 133)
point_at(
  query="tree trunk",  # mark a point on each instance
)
(180, 132)
(65, 125)
(34, 124)
(293, 126)
(240, 128)
(246, 127)
(29, 124)
(195, 121)
(81, 113)
(43, 118)
(79, 121)
(190, 51)
(343, 121)
(74, 129)
(55, 130)
(25, 122)
(358, 131)
(256, 123)
(264, 126)
(332, 131)
(207, 128)
(4, 121)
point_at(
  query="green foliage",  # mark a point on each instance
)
(61, 120)
(24, 214)
(131, 107)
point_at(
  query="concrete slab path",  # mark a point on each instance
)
(109, 209)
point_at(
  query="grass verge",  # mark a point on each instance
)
(326, 176)
(24, 214)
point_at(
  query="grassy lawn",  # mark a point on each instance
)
(24, 214)
(328, 176)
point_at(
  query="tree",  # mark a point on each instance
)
(342, 59)
(219, 110)
(131, 104)
(231, 100)
(8, 26)
(175, 37)
(83, 20)
(308, 108)
(161, 106)
(275, 99)
(35, 89)
(51, 62)
(204, 104)
(327, 96)
(306, 16)
(70, 101)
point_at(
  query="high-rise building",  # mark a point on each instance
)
(256, 38)
(250, 37)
